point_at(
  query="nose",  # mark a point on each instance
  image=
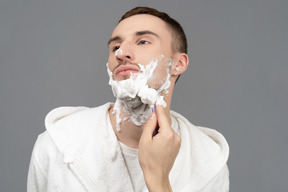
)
(124, 53)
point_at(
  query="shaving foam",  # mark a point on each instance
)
(136, 96)
(118, 51)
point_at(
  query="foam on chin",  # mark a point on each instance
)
(134, 97)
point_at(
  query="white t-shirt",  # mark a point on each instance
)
(130, 156)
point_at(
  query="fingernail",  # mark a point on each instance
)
(152, 116)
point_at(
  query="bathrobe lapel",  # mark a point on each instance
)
(91, 150)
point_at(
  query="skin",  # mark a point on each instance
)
(142, 38)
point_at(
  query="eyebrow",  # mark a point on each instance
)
(138, 33)
(116, 38)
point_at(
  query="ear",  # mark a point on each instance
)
(180, 64)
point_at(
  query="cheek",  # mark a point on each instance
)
(146, 57)
(111, 63)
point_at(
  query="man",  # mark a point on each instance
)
(124, 146)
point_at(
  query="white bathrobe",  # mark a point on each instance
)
(80, 152)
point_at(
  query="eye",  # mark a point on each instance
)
(115, 48)
(143, 42)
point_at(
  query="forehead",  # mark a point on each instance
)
(141, 22)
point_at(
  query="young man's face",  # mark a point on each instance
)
(137, 40)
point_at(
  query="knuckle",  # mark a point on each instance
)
(169, 135)
(178, 140)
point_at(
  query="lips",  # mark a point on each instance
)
(126, 70)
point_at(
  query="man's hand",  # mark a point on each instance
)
(157, 154)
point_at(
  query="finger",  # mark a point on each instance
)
(163, 118)
(150, 125)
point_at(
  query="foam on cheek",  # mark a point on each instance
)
(134, 97)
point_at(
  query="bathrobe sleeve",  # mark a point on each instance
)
(36, 180)
(220, 183)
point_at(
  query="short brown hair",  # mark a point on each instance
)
(177, 31)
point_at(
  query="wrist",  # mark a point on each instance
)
(157, 184)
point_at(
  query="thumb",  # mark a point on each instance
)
(150, 125)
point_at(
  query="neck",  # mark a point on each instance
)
(130, 133)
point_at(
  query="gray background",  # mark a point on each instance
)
(53, 53)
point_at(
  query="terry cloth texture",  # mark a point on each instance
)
(79, 152)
